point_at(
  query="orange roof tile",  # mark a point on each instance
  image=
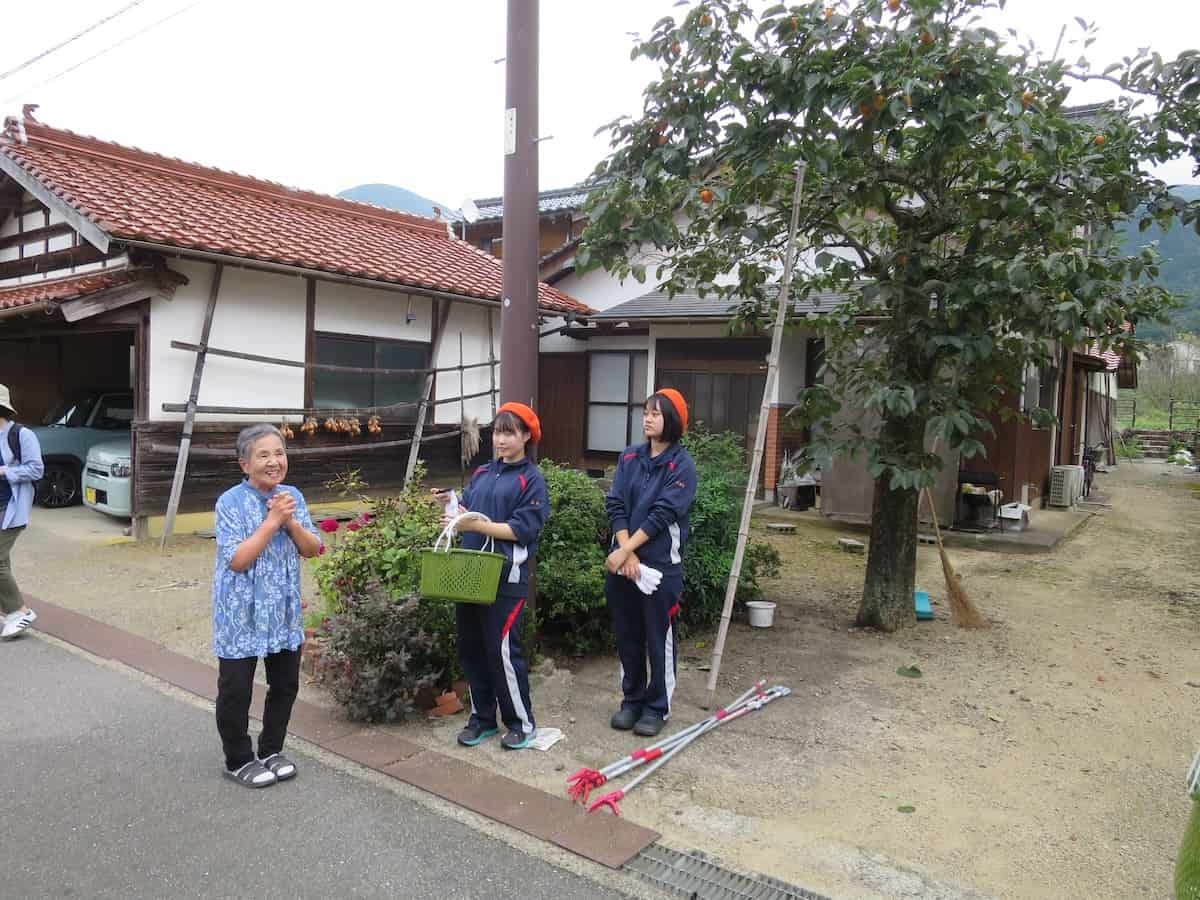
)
(59, 290)
(133, 195)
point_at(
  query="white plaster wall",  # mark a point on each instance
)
(792, 363)
(471, 321)
(256, 312)
(350, 309)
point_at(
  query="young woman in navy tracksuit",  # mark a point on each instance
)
(648, 507)
(512, 493)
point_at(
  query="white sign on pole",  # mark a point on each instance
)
(510, 131)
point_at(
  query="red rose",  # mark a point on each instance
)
(329, 526)
(353, 525)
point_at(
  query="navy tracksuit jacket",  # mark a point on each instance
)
(489, 646)
(653, 494)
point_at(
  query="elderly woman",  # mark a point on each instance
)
(263, 529)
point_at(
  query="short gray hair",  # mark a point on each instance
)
(252, 434)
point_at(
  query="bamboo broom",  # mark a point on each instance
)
(963, 612)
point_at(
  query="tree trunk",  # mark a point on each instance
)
(887, 600)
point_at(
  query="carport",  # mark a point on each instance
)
(66, 337)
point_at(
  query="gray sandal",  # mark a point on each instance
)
(280, 766)
(253, 775)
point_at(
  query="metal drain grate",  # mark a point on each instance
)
(693, 875)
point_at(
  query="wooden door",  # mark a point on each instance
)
(562, 406)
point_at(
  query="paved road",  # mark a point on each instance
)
(112, 789)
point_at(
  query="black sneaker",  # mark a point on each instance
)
(649, 724)
(515, 740)
(625, 718)
(476, 734)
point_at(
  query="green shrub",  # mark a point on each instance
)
(721, 475)
(382, 553)
(571, 612)
(380, 655)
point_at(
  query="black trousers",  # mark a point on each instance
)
(235, 687)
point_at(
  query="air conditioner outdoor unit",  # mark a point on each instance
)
(1066, 485)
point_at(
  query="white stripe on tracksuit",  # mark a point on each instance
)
(514, 688)
(674, 529)
(520, 554)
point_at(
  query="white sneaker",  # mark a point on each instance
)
(15, 624)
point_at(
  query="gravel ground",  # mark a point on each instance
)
(1042, 757)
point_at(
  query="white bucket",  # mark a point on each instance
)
(762, 613)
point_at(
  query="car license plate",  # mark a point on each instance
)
(90, 494)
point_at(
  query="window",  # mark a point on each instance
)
(616, 392)
(356, 390)
(115, 412)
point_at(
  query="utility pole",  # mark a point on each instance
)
(519, 311)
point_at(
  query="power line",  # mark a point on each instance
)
(99, 53)
(29, 62)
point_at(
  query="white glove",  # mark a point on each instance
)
(649, 579)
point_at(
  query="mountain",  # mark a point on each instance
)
(391, 197)
(1180, 271)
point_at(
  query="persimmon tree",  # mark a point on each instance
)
(962, 210)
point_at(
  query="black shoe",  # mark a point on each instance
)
(515, 740)
(649, 724)
(625, 718)
(475, 734)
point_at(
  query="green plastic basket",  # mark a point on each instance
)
(464, 576)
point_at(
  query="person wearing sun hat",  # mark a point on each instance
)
(21, 458)
(648, 507)
(511, 492)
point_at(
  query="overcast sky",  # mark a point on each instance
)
(327, 95)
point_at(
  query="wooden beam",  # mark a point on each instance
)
(414, 450)
(324, 367)
(105, 301)
(311, 411)
(190, 416)
(50, 262)
(92, 233)
(230, 453)
(37, 234)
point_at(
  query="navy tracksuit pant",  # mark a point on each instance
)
(645, 630)
(489, 650)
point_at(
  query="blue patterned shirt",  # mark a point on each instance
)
(256, 612)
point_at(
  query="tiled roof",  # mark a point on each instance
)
(658, 305)
(557, 200)
(133, 195)
(59, 290)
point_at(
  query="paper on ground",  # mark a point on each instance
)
(545, 738)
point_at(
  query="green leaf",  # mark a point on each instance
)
(909, 672)
(906, 809)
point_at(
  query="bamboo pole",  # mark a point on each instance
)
(760, 438)
(414, 449)
(189, 417)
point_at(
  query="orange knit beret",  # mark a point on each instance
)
(532, 423)
(678, 402)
